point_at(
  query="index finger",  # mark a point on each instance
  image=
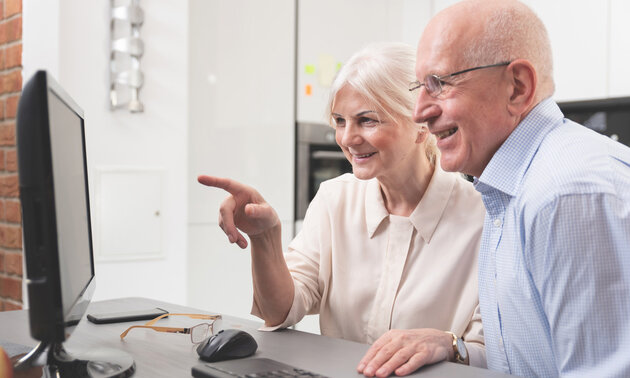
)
(229, 185)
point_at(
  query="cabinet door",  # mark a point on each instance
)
(330, 31)
(619, 66)
(579, 40)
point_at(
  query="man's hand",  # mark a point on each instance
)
(404, 351)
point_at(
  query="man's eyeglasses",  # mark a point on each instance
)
(197, 333)
(433, 83)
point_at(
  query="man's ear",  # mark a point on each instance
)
(522, 88)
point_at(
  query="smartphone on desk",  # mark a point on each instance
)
(126, 316)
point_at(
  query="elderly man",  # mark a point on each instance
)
(554, 263)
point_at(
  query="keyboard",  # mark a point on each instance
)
(251, 368)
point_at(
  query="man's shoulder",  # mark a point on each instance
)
(571, 160)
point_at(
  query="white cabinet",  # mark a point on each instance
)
(241, 112)
(619, 64)
(330, 31)
(579, 40)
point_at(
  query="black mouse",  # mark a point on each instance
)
(227, 344)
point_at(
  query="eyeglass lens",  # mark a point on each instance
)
(433, 85)
(199, 332)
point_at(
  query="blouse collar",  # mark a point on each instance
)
(427, 214)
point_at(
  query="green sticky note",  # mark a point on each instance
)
(339, 66)
(309, 69)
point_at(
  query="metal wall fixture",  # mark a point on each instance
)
(127, 48)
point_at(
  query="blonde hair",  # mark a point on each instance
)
(381, 73)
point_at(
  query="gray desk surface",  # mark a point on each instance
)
(159, 354)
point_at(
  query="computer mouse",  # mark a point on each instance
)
(227, 344)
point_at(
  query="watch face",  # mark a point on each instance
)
(461, 349)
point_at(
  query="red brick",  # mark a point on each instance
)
(7, 134)
(13, 56)
(9, 186)
(10, 306)
(10, 109)
(10, 161)
(12, 82)
(11, 288)
(13, 263)
(2, 54)
(2, 262)
(1, 159)
(14, 29)
(1, 9)
(12, 211)
(3, 32)
(10, 236)
(12, 7)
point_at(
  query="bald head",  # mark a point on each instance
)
(499, 31)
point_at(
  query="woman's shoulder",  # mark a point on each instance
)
(347, 181)
(464, 195)
(345, 188)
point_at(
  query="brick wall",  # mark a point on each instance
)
(10, 215)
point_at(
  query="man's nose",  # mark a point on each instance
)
(426, 108)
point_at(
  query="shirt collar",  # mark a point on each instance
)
(427, 214)
(509, 164)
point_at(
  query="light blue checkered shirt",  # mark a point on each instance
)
(554, 263)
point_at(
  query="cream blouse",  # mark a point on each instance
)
(365, 271)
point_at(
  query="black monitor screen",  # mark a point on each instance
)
(52, 167)
(73, 234)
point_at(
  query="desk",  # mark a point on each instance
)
(160, 354)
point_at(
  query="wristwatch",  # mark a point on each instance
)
(459, 349)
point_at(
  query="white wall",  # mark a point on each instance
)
(70, 38)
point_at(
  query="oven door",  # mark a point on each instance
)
(319, 158)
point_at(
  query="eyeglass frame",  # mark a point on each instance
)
(183, 330)
(440, 79)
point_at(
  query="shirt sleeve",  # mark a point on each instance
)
(473, 338)
(577, 251)
(303, 261)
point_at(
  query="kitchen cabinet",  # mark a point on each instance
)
(330, 31)
(241, 125)
(619, 65)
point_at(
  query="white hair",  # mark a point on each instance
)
(381, 73)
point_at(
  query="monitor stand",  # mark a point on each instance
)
(106, 362)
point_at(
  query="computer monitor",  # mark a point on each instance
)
(52, 168)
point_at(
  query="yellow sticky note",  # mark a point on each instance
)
(309, 69)
(327, 69)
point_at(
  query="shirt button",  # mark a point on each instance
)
(497, 222)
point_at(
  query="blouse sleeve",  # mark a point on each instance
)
(473, 338)
(303, 260)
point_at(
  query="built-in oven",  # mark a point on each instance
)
(609, 116)
(318, 158)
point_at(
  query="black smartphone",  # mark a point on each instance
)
(126, 316)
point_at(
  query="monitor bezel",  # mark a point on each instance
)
(48, 322)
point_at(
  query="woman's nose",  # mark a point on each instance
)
(350, 135)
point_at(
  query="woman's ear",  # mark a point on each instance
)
(422, 135)
(522, 87)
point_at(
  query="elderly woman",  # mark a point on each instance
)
(387, 255)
